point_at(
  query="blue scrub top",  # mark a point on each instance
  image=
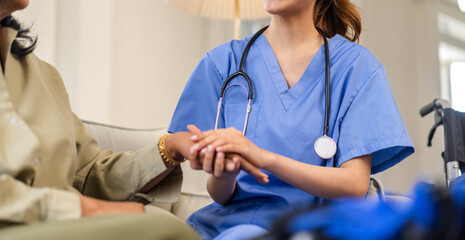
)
(364, 119)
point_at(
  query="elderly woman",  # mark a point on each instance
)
(53, 173)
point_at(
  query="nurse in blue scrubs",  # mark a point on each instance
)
(287, 67)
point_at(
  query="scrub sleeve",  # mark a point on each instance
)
(373, 125)
(198, 102)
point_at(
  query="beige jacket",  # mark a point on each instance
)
(46, 157)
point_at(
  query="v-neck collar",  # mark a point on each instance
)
(309, 78)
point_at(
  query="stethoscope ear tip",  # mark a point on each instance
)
(325, 147)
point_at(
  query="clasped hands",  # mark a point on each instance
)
(224, 152)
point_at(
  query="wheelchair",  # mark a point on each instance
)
(454, 136)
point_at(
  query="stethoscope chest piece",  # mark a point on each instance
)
(325, 147)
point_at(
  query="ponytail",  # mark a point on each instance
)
(338, 17)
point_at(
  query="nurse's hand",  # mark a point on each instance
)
(222, 164)
(226, 140)
(179, 145)
(212, 162)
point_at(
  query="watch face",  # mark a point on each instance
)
(325, 147)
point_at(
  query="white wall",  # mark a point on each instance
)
(156, 48)
(126, 62)
(123, 62)
(85, 55)
(42, 16)
(77, 38)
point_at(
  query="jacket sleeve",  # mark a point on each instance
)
(107, 175)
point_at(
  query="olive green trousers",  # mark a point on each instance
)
(156, 225)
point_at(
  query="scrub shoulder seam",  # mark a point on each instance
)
(359, 89)
(213, 64)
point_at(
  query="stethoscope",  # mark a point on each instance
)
(325, 146)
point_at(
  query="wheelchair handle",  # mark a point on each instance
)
(437, 103)
(427, 109)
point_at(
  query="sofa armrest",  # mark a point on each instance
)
(122, 139)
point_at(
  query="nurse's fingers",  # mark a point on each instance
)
(219, 165)
(217, 143)
(210, 140)
(224, 132)
(207, 164)
(198, 134)
(193, 129)
(254, 171)
(232, 148)
(196, 137)
(196, 148)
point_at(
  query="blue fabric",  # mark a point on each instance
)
(369, 220)
(364, 119)
(242, 232)
(354, 220)
(457, 188)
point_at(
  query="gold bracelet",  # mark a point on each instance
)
(164, 153)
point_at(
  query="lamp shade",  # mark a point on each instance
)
(222, 9)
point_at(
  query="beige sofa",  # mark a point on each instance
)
(193, 191)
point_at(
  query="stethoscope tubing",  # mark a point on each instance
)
(240, 72)
(325, 138)
(327, 86)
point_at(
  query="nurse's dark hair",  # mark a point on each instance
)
(24, 43)
(338, 17)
